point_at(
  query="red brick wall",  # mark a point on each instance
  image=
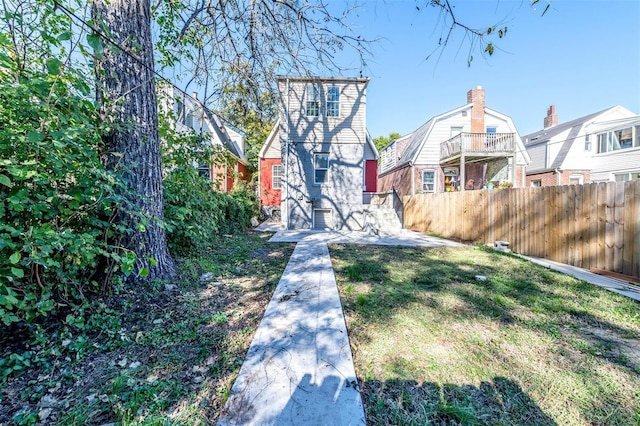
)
(268, 195)
(551, 178)
(400, 178)
(219, 176)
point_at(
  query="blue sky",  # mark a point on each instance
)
(582, 56)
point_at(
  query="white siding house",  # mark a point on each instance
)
(189, 114)
(321, 147)
(599, 147)
(469, 147)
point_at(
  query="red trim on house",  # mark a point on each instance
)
(268, 195)
(371, 176)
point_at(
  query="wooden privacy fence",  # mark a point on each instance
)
(594, 225)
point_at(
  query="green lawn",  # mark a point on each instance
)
(434, 345)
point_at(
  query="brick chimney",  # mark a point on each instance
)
(476, 97)
(551, 119)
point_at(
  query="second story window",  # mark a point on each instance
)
(618, 139)
(333, 101)
(587, 143)
(312, 101)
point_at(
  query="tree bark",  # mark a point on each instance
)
(126, 94)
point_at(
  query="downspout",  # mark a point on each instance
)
(558, 180)
(286, 157)
(413, 179)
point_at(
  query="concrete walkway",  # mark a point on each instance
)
(299, 369)
(611, 284)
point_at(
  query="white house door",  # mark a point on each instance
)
(321, 219)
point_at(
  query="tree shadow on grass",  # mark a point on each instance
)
(497, 402)
(580, 328)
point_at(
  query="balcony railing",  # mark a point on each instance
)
(478, 144)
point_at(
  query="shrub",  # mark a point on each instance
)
(56, 198)
(195, 212)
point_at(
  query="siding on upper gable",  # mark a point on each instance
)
(538, 154)
(368, 152)
(441, 131)
(275, 149)
(577, 157)
(349, 127)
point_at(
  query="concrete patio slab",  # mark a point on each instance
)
(402, 238)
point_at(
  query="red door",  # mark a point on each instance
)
(371, 176)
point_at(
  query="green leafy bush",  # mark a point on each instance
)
(195, 211)
(56, 198)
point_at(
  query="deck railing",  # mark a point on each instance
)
(478, 144)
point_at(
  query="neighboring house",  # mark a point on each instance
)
(190, 113)
(319, 163)
(470, 147)
(599, 147)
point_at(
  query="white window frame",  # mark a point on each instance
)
(587, 143)
(317, 169)
(608, 140)
(276, 177)
(455, 131)
(312, 101)
(537, 183)
(625, 177)
(576, 176)
(433, 183)
(333, 105)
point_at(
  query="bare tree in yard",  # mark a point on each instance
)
(127, 97)
(221, 44)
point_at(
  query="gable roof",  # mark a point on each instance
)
(573, 126)
(550, 132)
(420, 136)
(218, 127)
(270, 138)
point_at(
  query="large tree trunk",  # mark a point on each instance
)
(127, 97)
